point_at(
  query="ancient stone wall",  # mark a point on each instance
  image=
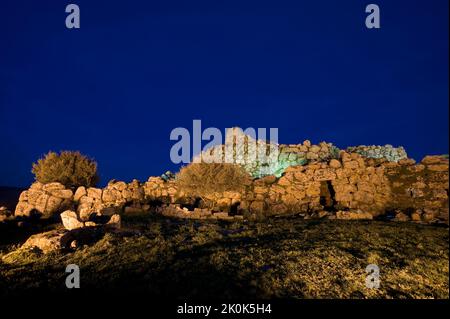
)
(335, 185)
(339, 187)
(421, 191)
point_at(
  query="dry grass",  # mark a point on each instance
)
(284, 258)
(202, 179)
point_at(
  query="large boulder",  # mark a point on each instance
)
(70, 220)
(45, 200)
(49, 241)
(59, 239)
(80, 192)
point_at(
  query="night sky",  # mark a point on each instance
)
(115, 88)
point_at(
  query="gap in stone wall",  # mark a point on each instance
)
(327, 196)
(234, 209)
(196, 203)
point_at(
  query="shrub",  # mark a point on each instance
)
(201, 179)
(71, 169)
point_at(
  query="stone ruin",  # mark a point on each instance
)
(387, 152)
(306, 180)
(263, 158)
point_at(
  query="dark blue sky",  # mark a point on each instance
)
(115, 88)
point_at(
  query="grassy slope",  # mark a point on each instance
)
(280, 258)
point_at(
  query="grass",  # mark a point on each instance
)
(279, 258)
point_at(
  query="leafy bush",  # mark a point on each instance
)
(71, 169)
(201, 179)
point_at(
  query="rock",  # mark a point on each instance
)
(407, 161)
(23, 196)
(111, 195)
(270, 179)
(53, 187)
(84, 212)
(36, 186)
(312, 156)
(44, 200)
(257, 207)
(353, 215)
(80, 192)
(334, 163)
(41, 203)
(351, 165)
(115, 222)
(221, 215)
(111, 210)
(48, 241)
(315, 149)
(4, 211)
(313, 190)
(52, 206)
(307, 143)
(279, 209)
(133, 192)
(4, 214)
(322, 214)
(133, 211)
(62, 238)
(428, 215)
(120, 186)
(387, 152)
(70, 220)
(401, 217)
(62, 193)
(74, 244)
(416, 216)
(438, 168)
(90, 224)
(95, 193)
(345, 157)
(324, 174)
(24, 209)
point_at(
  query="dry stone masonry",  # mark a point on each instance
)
(388, 152)
(262, 158)
(310, 181)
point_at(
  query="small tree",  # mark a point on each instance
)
(202, 179)
(69, 168)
